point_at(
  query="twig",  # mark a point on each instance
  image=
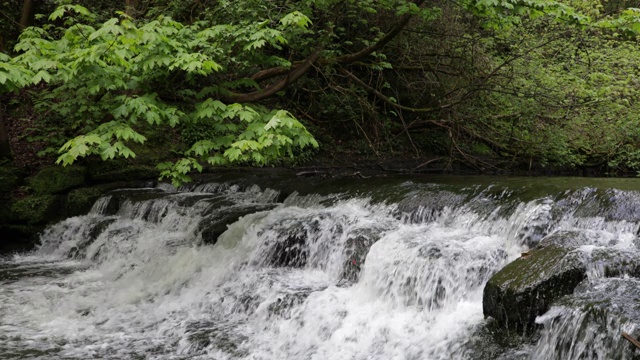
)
(631, 339)
(427, 163)
(10, 19)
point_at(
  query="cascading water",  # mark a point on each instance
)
(394, 272)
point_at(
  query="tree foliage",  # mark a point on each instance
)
(517, 80)
(105, 80)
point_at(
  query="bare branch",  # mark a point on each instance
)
(384, 98)
(270, 73)
(292, 77)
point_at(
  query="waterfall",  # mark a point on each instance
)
(222, 271)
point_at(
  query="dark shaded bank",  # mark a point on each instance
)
(28, 203)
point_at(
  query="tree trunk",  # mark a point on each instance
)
(27, 14)
(130, 7)
(5, 148)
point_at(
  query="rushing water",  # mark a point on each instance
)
(371, 270)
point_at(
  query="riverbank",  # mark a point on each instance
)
(31, 201)
(34, 192)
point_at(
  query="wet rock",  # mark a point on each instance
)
(79, 251)
(284, 304)
(526, 288)
(610, 204)
(488, 342)
(537, 226)
(421, 207)
(110, 171)
(565, 239)
(119, 197)
(202, 335)
(529, 286)
(189, 200)
(290, 251)
(589, 323)
(609, 262)
(288, 245)
(356, 250)
(215, 224)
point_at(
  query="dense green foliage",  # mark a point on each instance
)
(105, 79)
(490, 83)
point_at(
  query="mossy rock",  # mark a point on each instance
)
(80, 201)
(110, 172)
(57, 179)
(526, 288)
(10, 178)
(18, 238)
(38, 209)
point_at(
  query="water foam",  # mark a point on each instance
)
(337, 277)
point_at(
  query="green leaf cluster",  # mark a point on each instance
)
(111, 83)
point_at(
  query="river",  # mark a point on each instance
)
(380, 268)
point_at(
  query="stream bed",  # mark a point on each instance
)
(379, 269)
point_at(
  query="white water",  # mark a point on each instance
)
(146, 287)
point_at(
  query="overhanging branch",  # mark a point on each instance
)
(404, 20)
(384, 98)
(293, 76)
(271, 73)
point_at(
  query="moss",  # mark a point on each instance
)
(9, 179)
(38, 209)
(526, 271)
(110, 172)
(80, 201)
(526, 288)
(481, 149)
(57, 179)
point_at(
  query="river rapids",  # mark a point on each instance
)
(369, 271)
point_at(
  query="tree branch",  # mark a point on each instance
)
(404, 20)
(292, 77)
(270, 73)
(384, 98)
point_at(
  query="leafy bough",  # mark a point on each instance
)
(104, 81)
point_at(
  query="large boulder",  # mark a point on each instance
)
(526, 288)
(530, 285)
(120, 170)
(38, 209)
(57, 179)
